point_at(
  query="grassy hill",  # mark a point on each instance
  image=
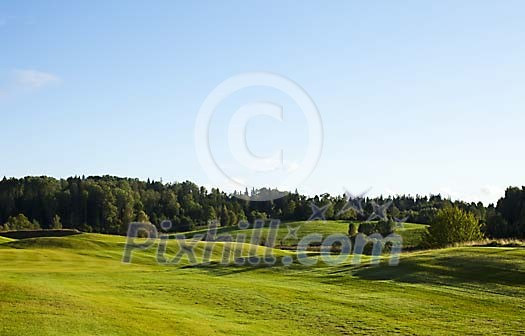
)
(412, 233)
(77, 285)
(5, 240)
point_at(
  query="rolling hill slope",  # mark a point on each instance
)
(78, 286)
(412, 233)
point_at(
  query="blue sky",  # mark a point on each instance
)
(415, 96)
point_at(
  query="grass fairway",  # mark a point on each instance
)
(412, 233)
(77, 285)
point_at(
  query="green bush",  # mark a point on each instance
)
(383, 227)
(20, 222)
(352, 229)
(57, 223)
(452, 225)
(386, 227)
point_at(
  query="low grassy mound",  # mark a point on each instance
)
(69, 243)
(412, 233)
(113, 247)
(305, 228)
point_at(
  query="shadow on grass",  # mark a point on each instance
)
(447, 268)
(39, 233)
(190, 234)
(218, 269)
(244, 266)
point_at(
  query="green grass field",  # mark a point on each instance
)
(77, 285)
(412, 233)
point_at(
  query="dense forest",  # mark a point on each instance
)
(108, 204)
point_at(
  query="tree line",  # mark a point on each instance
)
(107, 204)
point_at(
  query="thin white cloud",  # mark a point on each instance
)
(33, 79)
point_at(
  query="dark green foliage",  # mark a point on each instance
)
(20, 222)
(57, 224)
(25, 234)
(497, 226)
(386, 227)
(453, 225)
(352, 229)
(508, 218)
(107, 204)
(383, 227)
